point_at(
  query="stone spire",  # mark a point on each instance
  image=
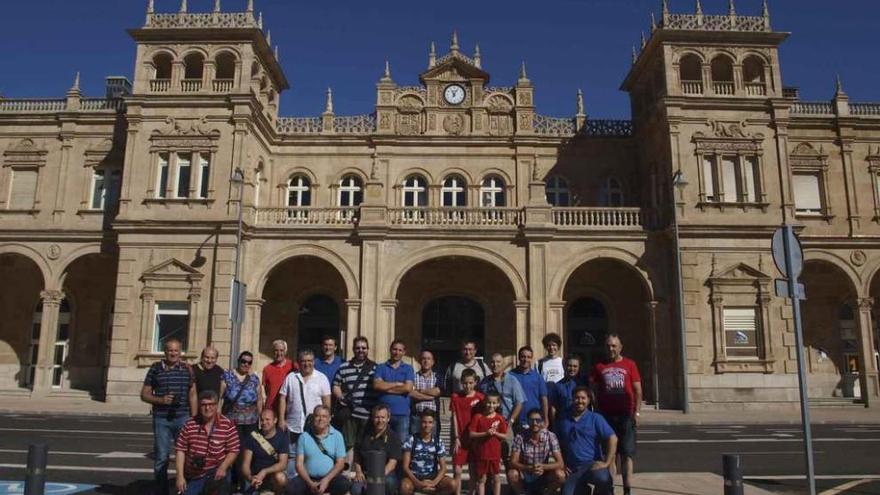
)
(454, 45)
(731, 8)
(653, 22)
(838, 87)
(580, 102)
(75, 86)
(328, 107)
(183, 7)
(277, 58)
(644, 41)
(250, 6)
(840, 100)
(386, 76)
(635, 56)
(269, 37)
(522, 73)
(765, 13)
(151, 6)
(216, 5)
(432, 56)
(478, 58)
(260, 21)
(580, 118)
(699, 10)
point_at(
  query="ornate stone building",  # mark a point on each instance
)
(454, 210)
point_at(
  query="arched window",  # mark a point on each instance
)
(351, 191)
(557, 191)
(587, 328)
(754, 77)
(225, 66)
(690, 72)
(446, 322)
(453, 193)
(318, 316)
(299, 191)
(162, 66)
(722, 75)
(194, 69)
(492, 193)
(415, 194)
(612, 193)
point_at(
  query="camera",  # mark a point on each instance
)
(198, 462)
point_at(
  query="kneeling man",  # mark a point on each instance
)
(265, 454)
(536, 461)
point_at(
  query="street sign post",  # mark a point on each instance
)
(789, 258)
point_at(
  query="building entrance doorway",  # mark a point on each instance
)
(587, 328)
(446, 322)
(318, 316)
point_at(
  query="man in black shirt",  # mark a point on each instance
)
(378, 437)
(265, 455)
(208, 375)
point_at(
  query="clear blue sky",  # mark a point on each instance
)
(566, 44)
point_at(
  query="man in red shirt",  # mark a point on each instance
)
(275, 373)
(206, 448)
(618, 388)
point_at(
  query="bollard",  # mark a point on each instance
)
(374, 467)
(733, 474)
(35, 475)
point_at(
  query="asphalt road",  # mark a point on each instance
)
(113, 453)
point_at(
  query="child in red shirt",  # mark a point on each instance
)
(487, 431)
(463, 406)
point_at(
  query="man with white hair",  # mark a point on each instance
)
(276, 372)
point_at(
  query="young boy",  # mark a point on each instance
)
(487, 431)
(424, 464)
(463, 406)
(551, 366)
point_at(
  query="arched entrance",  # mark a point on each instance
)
(605, 296)
(449, 320)
(20, 325)
(318, 316)
(445, 300)
(303, 296)
(831, 332)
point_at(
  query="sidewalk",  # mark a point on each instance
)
(683, 484)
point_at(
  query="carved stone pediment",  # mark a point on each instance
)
(499, 104)
(805, 155)
(730, 137)
(185, 134)
(410, 104)
(170, 270)
(739, 273)
(103, 151)
(24, 153)
(454, 67)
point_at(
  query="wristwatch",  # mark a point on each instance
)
(637, 413)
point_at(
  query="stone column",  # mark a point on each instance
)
(522, 323)
(869, 375)
(48, 328)
(61, 182)
(352, 326)
(250, 335)
(386, 330)
(651, 307)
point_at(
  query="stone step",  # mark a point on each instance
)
(832, 402)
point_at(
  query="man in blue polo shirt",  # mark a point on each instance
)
(533, 385)
(560, 393)
(329, 361)
(394, 381)
(585, 436)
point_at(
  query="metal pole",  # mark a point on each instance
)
(733, 474)
(685, 403)
(799, 343)
(35, 475)
(236, 323)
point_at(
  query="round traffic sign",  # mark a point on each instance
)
(795, 251)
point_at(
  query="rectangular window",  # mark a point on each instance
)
(709, 178)
(749, 171)
(162, 180)
(172, 320)
(807, 194)
(24, 189)
(729, 176)
(184, 163)
(741, 333)
(204, 174)
(99, 190)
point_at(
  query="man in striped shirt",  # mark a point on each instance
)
(353, 392)
(168, 387)
(206, 449)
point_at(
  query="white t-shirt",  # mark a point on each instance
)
(316, 387)
(551, 369)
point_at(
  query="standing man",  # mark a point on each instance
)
(559, 393)
(505, 385)
(468, 360)
(618, 388)
(426, 393)
(302, 391)
(378, 437)
(551, 366)
(353, 392)
(275, 373)
(533, 385)
(320, 459)
(585, 436)
(208, 375)
(168, 387)
(264, 456)
(536, 463)
(394, 381)
(206, 449)
(329, 361)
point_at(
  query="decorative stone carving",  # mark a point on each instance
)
(384, 121)
(53, 252)
(728, 129)
(409, 104)
(858, 257)
(499, 104)
(409, 124)
(25, 153)
(536, 171)
(453, 124)
(188, 127)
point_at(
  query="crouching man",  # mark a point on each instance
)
(264, 456)
(536, 463)
(206, 449)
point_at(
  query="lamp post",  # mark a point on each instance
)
(237, 295)
(679, 183)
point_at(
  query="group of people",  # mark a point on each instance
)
(323, 425)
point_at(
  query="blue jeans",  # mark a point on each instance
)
(391, 486)
(195, 487)
(164, 435)
(578, 482)
(400, 425)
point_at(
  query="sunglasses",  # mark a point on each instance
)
(536, 421)
(208, 404)
(245, 361)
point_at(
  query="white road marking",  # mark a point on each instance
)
(122, 455)
(96, 432)
(781, 452)
(818, 477)
(89, 468)
(757, 440)
(844, 487)
(52, 452)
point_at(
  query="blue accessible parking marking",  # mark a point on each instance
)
(17, 488)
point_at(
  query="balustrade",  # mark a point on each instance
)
(223, 85)
(692, 87)
(723, 88)
(191, 85)
(33, 106)
(756, 89)
(868, 109)
(160, 85)
(598, 218)
(482, 217)
(307, 215)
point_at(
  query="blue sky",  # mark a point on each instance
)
(567, 44)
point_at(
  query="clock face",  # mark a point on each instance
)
(454, 94)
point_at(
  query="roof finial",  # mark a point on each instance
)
(328, 107)
(260, 21)
(653, 22)
(432, 56)
(635, 56)
(276, 54)
(183, 8)
(580, 102)
(269, 37)
(250, 6)
(216, 5)
(765, 13)
(699, 7)
(386, 76)
(75, 86)
(838, 87)
(478, 58)
(731, 7)
(454, 46)
(644, 41)
(151, 6)
(522, 72)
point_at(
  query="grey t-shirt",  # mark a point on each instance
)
(452, 380)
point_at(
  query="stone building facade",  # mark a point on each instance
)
(454, 210)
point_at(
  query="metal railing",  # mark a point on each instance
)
(454, 216)
(598, 218)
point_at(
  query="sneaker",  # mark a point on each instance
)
(626, 490)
